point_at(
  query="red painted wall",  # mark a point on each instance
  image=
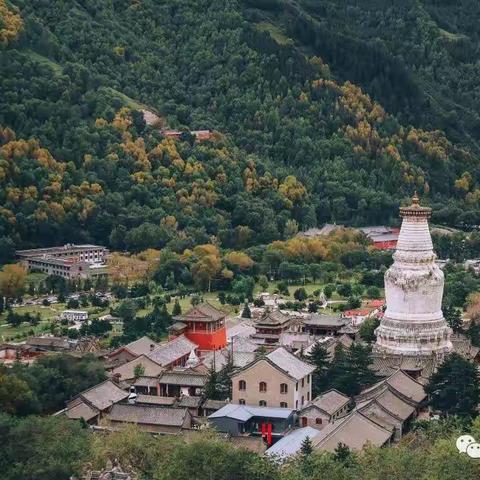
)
(208, 341)
(388, 245)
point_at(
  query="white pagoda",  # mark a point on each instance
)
(413, 324)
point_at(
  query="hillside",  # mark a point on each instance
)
(419, 58)
(315, 122)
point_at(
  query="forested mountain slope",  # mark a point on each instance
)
(297, 140)
(419, 58)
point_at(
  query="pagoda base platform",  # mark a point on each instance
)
(421, 367)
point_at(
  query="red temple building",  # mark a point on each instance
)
(203, 325)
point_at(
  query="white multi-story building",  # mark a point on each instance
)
(74, 315)
(68, 261)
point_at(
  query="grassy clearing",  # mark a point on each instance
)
(275, 32)
(57, 68)
(128, 101)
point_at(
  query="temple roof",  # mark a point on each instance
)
(321, 320)
(355, 431)
(127, 370)
(101, 396)
(330, 401)
(272, 318)
(172, 351)
(151, 415)
(203, 312)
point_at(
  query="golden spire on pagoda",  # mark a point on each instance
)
(415, 209)
(415, 200)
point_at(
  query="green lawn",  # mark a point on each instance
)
(47, 315)
(210, 297)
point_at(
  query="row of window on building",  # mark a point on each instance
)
(262, 386)
(263, 403)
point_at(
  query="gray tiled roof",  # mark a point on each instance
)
(104, 395)
(127, 370)
(150, 415)
(242, 359)
(57, 342)
(290, 363)
(145, 381)
(273, 318)
(156, 400)
(81, 410)
(407, 386)
(245, 412)
(189, 402)
(214, 404)
(185, 378)
(172, 351)
(142, 346)
(201, 313)
(321, 320)
(292, 443)
(355, 431)
(330, 401)
(380, 416)
(240, 330)
(243, 344)
(400, 383)
(177, 326)
(395, 405)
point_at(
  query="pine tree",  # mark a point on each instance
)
(342, 453)
(177, 309)
(306, 447)
(350, 370)
(454, 389)
(306, 459)
(224, 382)
(160, 319)
(453, 317)
(246, 311)
(211, 386)
(318, 357)
(261, 352)
(360, 359)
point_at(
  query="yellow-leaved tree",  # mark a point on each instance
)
(207, 265)
(12, 280)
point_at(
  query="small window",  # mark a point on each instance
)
(283, 405)
(296, 404)
(262, 403)
(318, 421)
(308, 379)
(242, 385)
(308, 396)
(262, 387)
(304, 421)
(241, 401)
(303, 382)
(296, 386)
(283, 388)
(303, 400)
